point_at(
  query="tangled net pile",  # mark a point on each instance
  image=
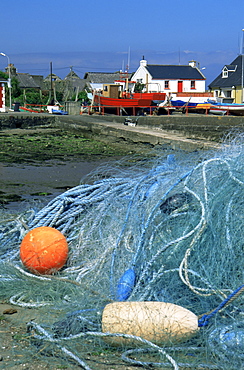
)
(171, 231)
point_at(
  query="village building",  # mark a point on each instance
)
(52, 81)
(229, 83)
(25, 80)
(171, 79)
(96, 80)
(73, 84)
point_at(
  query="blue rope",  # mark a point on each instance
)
(204, 320)
(142, 182)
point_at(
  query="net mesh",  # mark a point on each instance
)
(160, 230)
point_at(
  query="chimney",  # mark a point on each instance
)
(194, 64)
(12, 69)
(143, 62)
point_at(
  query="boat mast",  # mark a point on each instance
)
(127, 72)
(51, 78)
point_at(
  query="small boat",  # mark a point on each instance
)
(24, 109)
(179, 103)
(225, 106)
(189, 102)
(30, 110)
(59, 111)
(55, 109)
(201, 108)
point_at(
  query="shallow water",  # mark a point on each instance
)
(41, 183)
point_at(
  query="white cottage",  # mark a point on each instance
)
(171, 79)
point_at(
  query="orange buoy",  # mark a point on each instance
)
(44, 250)
(157, 322)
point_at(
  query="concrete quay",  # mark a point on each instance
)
(177, 131)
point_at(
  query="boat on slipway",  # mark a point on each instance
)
(121, 102)
(225, 106)
(53, 109)
(120, 106)
(114, 100)
(222, 106)
(189, 101)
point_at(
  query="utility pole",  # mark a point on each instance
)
(51, 76)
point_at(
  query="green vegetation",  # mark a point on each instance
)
(139, 87)
(82, 97)
(15, 91)
(31, 97)
(38, 145)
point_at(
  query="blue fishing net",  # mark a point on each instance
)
(167, 229)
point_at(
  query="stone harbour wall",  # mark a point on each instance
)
(177, 131)
(24, 120)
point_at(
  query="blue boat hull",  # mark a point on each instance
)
(180, 103)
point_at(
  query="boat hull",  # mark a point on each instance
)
(121, 102)
(233, 109)
(122, 106)
(157, 97)
(181, 103)
(190, 101)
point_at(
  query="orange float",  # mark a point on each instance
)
(44, 250)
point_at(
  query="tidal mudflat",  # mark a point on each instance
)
(38, 164)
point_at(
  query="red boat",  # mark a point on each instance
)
(157, 97)
(101, 100)
(113, 100)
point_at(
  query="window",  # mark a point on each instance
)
(139, 80)
(193, 85)
(228, 94)
(105, 88)
(166, 84)
(227, 69)
(225, 73)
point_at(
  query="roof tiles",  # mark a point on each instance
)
(172, 72)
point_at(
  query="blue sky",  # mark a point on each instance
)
(104, 35)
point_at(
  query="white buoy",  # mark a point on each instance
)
(157, 322)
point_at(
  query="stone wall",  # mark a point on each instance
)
(199, 131)
(194, 126)
(195, 130)
(19, 120)
(208, 127)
